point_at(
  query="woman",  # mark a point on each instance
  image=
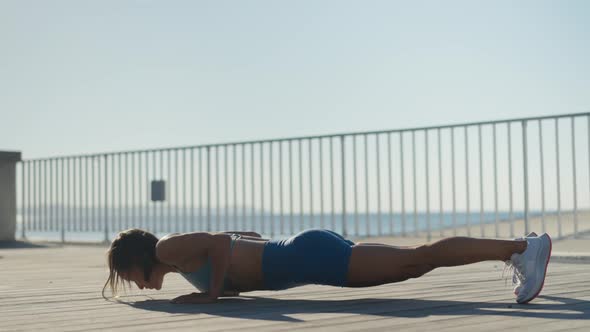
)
(224, 264)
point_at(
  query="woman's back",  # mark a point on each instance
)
(245, 269)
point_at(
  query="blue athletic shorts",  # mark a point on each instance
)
(314, 256)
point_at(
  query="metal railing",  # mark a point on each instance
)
(392, 182)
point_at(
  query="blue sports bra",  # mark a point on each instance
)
(201, 277)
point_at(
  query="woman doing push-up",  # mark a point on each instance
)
(225, 264)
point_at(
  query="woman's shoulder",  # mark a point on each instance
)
(175, 246)
(175, 236)
(167, 236)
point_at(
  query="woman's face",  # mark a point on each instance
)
(136, 275)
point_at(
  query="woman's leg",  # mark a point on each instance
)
(373, 264)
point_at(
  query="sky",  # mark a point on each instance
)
(99, 76)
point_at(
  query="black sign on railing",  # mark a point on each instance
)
(158, 190)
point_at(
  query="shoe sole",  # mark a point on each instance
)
(544, 273)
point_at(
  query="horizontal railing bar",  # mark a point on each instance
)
(469, 124)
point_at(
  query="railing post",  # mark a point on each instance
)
(291, 215)
(414, 189)
(367, 220)
(526, 177)
(542, 176)
(300, 157)
(343, 168)
(321, 180)
(355, 190)
(428, 227)
(510, 193)
(281, 191)
(192, 229)
(389, 161)
(49, 199)
(467, 201)
(217, 190)
(496, 221)
(573, 132)
(378, 171)
(481, 197)
(453, 183)
(8, 162)
(61, 209)
(208, 189)
(271, 193)
(106, 198)
(557, 178)
(402, 179)
(24, 202)
(310, 150)
(440, 186)
(333, 216)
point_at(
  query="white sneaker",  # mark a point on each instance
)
(515, 280)
(531, 267)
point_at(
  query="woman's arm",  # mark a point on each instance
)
(179, 249)
(220, 254)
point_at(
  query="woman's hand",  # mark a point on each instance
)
(196, 298)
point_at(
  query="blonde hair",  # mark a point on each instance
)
(132, 248)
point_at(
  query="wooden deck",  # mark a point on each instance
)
(58, 288)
